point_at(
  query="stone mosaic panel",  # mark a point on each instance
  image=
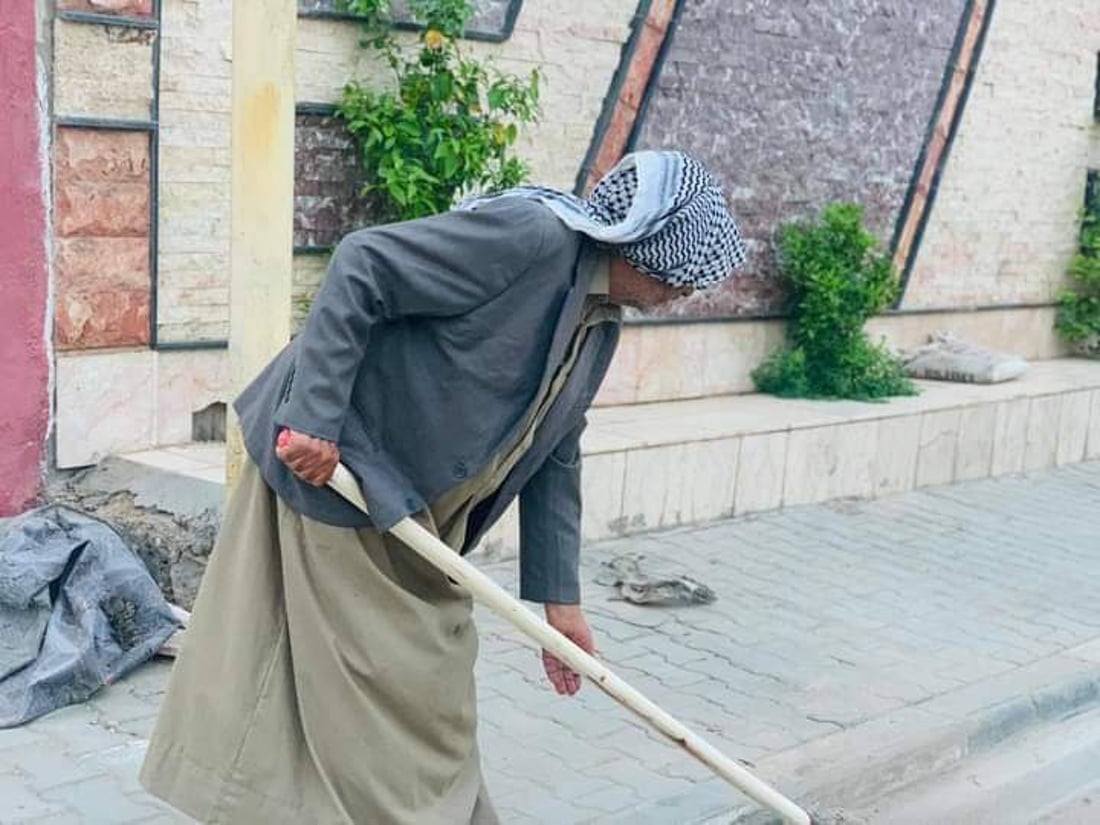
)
(795, 105)
(490, 19)
(327, 182)
(102, 238)
(125, 8)
(102, 71)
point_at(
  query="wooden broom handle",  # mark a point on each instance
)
(489, 593)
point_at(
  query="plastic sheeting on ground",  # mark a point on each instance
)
(78, 610)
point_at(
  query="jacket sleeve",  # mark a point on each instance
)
(440, 266)
(550, 526)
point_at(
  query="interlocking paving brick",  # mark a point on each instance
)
(827, 617)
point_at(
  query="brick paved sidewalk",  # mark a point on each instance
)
(827, 617)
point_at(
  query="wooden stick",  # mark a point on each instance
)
(493, 596)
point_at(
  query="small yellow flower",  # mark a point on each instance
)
(434, 39)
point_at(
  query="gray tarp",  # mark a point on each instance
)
(78, 610)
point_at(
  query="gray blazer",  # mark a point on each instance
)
(425, 347)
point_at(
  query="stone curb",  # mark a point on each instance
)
(851, 768)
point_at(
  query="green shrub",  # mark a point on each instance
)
(1078, 318)
(837, 280)
(448, 125)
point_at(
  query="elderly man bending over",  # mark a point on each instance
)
(328, 675)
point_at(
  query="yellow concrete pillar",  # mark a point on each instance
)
(261, 257)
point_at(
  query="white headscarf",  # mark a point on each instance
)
(663, 211)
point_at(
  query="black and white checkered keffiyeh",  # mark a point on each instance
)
(663, 211)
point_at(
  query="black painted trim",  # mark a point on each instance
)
(106, 124)
(930, 128)
(154, 185)
(952, 131)
(655, 76)
(889, 313)
(316, 109)
(611, 99)
(94, 19)
(511, 14)
(191, 346)
(312, 249)
(1096, 102)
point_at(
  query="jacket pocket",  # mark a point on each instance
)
(288, 383)
(567, 455)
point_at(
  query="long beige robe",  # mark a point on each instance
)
(328, 674)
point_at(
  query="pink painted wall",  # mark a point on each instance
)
(24, 365)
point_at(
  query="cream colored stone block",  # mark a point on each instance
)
(102, 71)
(679, 484)
(209, 454)
(810, 465)
(1042, 432)
(1073, 427)
(1027, 332)
(602, 480)
(620, 385)
(186, 383)
(734, 350)
(650, 475)
(896, 448)
(106, 403)
(179, 463)
(824, 463)
(856, 448)
(701, 482)
(1092, 448)
(760, 473)
(1032, 86)
(939, 434)
(977, 431)
(1010, 436)
(659, 367)
(214, 475)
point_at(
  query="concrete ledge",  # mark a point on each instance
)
(675, 361)
(856, 766)
(658, 466)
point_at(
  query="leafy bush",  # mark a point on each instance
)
(448, 125)
(1078, 318)
(837, 280)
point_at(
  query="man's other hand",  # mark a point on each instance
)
(310, 459)
(567, 619)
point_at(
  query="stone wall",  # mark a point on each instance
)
(1004, 224)
(576, 45)
(195, 105)
(102, 177)
(797, 104)
(114, 395)
(101, 265)
(327, 182)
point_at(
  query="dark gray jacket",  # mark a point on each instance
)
(424, 349)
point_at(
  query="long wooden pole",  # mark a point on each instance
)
(493, 596)
(262, 195)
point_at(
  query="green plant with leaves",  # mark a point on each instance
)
(1078, 318)
(837, 280)
(448, 125)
